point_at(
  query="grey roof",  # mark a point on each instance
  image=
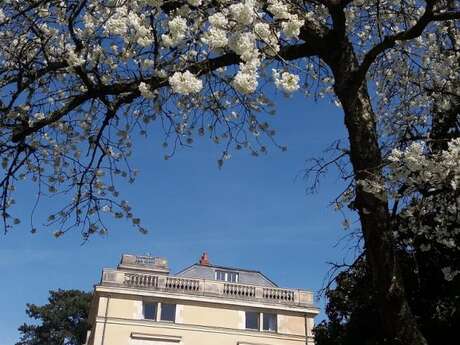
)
(208, 272)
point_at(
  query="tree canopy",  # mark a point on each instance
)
(79, 77)
(62, 321)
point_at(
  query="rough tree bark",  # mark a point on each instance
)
(400, 325)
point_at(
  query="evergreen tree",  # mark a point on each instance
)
(62, 321)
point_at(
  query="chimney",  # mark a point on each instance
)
(204, 260)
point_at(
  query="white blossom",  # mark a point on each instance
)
(243, 13)
(177, 30)
(291, 27)
(195, 3)
(218, 20)
(2, 16)
(279, 9)
(215, 38)
(286, 81)
(185, 83)
(245, 81)
(263, 30)
(117, 23)
(244, 44)
(153, 3)
(74, 59)
(145, 91)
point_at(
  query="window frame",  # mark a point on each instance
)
(226, 276)
(174, 313)
(275, 318)
(257, 314)
(261, 318)
(155, 314)
(158, 311)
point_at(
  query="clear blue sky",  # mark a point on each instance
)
(254, 213)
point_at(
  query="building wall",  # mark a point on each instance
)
(123, 332)
(212, 315)
(197, 323)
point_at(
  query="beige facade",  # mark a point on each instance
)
(139, 303)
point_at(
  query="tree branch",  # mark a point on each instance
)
(390, 41)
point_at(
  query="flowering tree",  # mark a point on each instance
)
(79, 76)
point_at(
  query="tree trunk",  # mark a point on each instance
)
(400, 326)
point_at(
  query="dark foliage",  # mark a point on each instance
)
(63, 321)
(353, 312)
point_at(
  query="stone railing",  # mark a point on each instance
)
(182, 284)
(141, 280)
(211, 288)
(239, 290)
(282, 295)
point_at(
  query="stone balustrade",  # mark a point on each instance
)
(239, 290)
(182, 284)
(211, 288)
(141, 280)
(284, 295)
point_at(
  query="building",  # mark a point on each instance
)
(140, 303)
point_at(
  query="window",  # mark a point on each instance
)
(232, 277)
(268, 320)
(270, 323)
(227, 276)
(252, 320)
(168, 312)
(159, 311)
(220, 275)
(150, 311)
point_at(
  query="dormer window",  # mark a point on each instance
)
(227, 276)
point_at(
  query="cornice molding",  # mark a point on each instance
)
(310, 311)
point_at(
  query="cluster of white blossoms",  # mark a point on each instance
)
(145, 91)
(215, 38)
(245, 80)
(243, 12)
(417, 168)
(291, 23)
(74, 59)
(195, 3)
(250, 29)
(244, 44)
(177, 30)
(279, 9)
(431, 181)
(123, 20)
(270, 37)
(291, 27)
(153, 3)
(218, 20)
(185, 83)
(286, 81)
(244, 29)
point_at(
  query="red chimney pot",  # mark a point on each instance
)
(204, 260)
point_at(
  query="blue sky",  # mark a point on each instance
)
(254, 213)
